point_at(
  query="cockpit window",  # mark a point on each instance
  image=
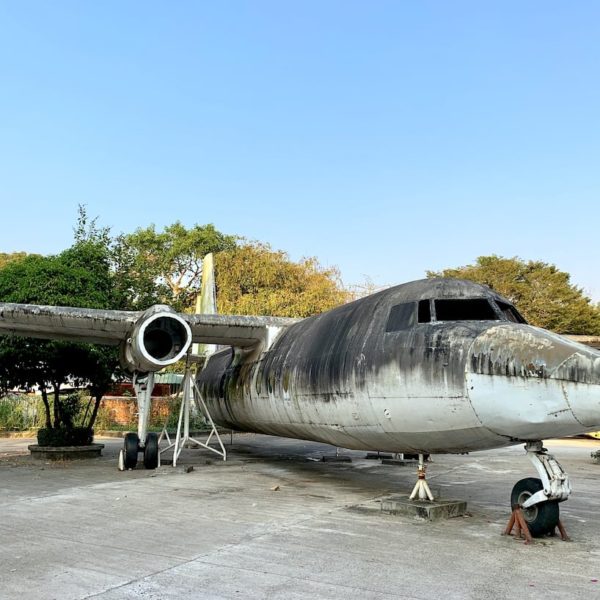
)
(402, 316)
(407, 315)
(474, 309)
(510, 312)
(424, 311)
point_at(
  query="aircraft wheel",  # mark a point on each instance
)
(131, 445)
(541, 518)
(151, 451)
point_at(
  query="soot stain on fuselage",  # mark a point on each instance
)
(343, 351)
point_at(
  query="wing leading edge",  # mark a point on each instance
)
(111, 327)
(66, 323)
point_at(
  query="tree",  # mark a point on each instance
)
(8, 257)
(253, 279)
(543, 294)
(79, 276)
(164, 266)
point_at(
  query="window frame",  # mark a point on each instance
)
(410, 325)
(493, 303)
(520, 318)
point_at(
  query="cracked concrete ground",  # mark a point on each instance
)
(275, 522)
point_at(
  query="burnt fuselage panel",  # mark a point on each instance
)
(379, 373)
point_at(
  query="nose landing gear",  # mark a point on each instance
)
(535, 502)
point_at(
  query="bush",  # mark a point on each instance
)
(61, 436)
(21, 412)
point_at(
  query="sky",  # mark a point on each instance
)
(386, 138)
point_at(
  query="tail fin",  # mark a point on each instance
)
(206, 302)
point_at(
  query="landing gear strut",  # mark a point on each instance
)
(128, 456)
(534, 502)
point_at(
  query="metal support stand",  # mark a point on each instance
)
(192, 393)
(421, 490)
(518, 523)
(164, 434)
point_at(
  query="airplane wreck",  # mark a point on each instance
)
(431, 366)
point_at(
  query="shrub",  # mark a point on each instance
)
(20, 412)
(61, 436)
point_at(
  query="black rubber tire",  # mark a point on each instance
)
(151, 451)
(131, 447)
(541, 518)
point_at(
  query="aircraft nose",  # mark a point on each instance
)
(530, 383)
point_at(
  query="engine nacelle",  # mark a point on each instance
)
(159, 338)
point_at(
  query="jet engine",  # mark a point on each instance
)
(158, 339)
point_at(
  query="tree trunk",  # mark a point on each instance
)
(87, 410)
(57, 416)
(46, 407)
(97, 400)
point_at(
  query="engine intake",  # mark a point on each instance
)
(159, 338)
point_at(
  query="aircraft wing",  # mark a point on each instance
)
(230, 330)
(152, 339)
(65, 323)
(113, 326)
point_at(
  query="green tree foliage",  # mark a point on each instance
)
(542, 293)
(80, 276)
(164, 266)
(255, 280)
(133, 272)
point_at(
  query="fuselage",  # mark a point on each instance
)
(435, 365)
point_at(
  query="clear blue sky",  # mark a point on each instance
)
(383, 137)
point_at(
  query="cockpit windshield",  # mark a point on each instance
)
(510, 312)
(408, 315)
(472, 309)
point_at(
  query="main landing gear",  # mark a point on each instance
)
(131, 448)
(534, 502)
